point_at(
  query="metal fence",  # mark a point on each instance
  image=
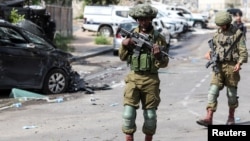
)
(63, 17)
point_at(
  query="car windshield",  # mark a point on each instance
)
(38, 40)
(129, 26)
(123, 14)
(162, 14)
(8, 33)
(9, 36)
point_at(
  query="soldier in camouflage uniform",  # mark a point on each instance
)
(229, 65)
(142, 82)
(238, 22)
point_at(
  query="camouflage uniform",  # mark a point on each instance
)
(147, 81)
(223, 40)
(142, 82)
(238, 23)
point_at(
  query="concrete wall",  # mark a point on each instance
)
(244, 5)
(211, 4)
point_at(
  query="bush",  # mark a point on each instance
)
(15, 17)
(102, 40)
(63, 42)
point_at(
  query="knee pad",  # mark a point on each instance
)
(213, 93)
(129, 116)
(150, 118)
(232, 97)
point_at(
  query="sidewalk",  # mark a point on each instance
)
(84, 45)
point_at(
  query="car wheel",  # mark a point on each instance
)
(55, 82)
(106, 31)
(83, 29)
(198, 24)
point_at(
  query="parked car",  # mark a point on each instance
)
(104, 19)
(195, 19)
(179, 15)
(117, 40)
(176, 17)
(162, 28)
(181, 25)
(31, 61)
(129, 26)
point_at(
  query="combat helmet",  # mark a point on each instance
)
(222, 18)
(142, 11)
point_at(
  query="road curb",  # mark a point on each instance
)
(91, 53)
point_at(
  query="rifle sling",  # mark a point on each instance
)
(226, 53)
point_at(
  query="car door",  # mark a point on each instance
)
(20, 62)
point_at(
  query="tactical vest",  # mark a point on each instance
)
(223, 43)
(145, 61)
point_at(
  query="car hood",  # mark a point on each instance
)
(58, 53)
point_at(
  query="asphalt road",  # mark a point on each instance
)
(97, 117)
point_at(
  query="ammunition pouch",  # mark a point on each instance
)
(142, 62)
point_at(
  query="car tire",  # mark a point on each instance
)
(83, 29)
(55, 82)
(198, 24)
(106, 31)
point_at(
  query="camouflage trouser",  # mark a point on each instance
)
(144, 88)
(226, 77)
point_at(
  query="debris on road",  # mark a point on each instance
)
(29, 127)
(17, 105)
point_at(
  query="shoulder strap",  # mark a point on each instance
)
(235, 42)
(156, 35)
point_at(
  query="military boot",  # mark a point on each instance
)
(129, 137)
(230, 120)
(148, 138)
(208, 120)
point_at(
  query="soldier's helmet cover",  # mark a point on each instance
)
(222, 18)
(143, 11)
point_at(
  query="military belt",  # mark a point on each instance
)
(144, 72)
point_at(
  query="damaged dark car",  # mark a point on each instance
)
(28, 60)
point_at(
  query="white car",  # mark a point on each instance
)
(104, 19)
(162, 28)
(117, 40)
(181, 24)
(198, 20)
(179, 15)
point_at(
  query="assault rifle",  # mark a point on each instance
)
(214, 57)
(140, 40)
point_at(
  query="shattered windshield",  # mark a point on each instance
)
(38, 40)
(9, 35)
